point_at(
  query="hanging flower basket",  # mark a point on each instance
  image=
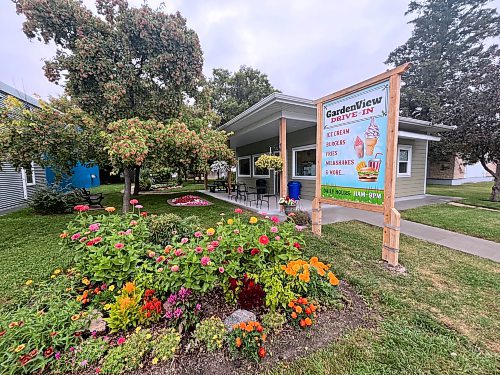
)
(269, 162)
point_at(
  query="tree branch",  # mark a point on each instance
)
(485, 166)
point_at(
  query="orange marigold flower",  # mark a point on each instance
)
(242, 325)
(291, 304)
(308, 311)
(294, 315)
(302, 323)
(312, 307)
(129, 287)
(264, 337)
(313, 260)
(304, 301)
(63, 235)
(308, 321)
(298, 309)
(333, 279)
(249, 328)
(238, 342)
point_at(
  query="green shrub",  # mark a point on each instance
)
(49, 200)
(166, 344)
(210, 333)
(274, 320)
(145, 183)
(44, 323)
(166, 228)
(88, 353)
(129, 355)
(107, 248)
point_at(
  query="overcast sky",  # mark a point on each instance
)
(307, 48)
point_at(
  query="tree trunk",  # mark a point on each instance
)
(127, 174)
(495, 190)
(205, 178)
(137, 176)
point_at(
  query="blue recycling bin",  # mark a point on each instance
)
(294, 189)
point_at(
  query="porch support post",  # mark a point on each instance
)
(283, 155)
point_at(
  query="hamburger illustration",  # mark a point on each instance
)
(367, 174)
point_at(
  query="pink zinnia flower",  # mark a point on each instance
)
(128, 231)
(205, 261)
(277, 238)
(75, 236)
(160, 259)
(221, 269)
(240, 249)
(97, 240)
(178, 252)
(174, 268)
(94, 227)
(90, 243)
(219, 238)
(198, 234)
(215, 243)
(134, 201)
(274, 219)
(133, 222)
(184, 240)
(120, 341)
(119, 245)
(139, 206)
(236, 231)
(210, 248)
(238, 210)
(198, 249)
(274, 229)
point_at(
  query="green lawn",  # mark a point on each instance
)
(474, 194)
(439, 318)
(471, 221)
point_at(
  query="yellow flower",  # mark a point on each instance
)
(253, 220)
(111, 288)
(57, 271)
(110, 209)
(230, 221)
(210, 231)
(154, 361)
(75, 317)
(108, 306)
(19, 348)
(29, 282)
(53, 276)
(138, 329)
(85, 281)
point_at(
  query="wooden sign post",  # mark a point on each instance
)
(356, 146)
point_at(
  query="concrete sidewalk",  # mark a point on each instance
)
(467, 244)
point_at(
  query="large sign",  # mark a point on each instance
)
(354, 145)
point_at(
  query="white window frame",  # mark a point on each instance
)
(409, 148)
(294, 151)
(254, 158)
(250, 161)
(23, 171)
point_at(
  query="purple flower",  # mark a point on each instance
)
(94, 333)
(94, 227)
(198, 307)
(184, 293)
(84, 363)
(172, 299)
(168, 315)
(178, 312)
(57, 355)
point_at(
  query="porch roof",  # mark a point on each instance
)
(261, 121)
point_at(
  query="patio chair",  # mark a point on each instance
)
(85, 196)
(260, 189)
(241, 191)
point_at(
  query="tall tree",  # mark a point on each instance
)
(120, 63)
(453, 56)
(232, 93)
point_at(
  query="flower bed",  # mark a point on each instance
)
(148, 303)
(189, 201)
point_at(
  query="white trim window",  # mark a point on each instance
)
(244, 166)
(29, 175)
(257, 172)
(404, 160)
(304, 162)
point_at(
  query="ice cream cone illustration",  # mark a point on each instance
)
(359, 147)
(371, 136)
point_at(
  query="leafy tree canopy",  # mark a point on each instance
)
(232, 93)
(123, 62)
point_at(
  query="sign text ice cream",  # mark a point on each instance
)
(354, 145)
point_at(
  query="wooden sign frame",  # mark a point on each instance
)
(390, 246)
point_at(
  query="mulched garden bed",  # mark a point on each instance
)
(287, 345)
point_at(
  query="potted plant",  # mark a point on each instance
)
(288, 204)
(266, 161)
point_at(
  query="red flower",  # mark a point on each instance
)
(24, 359)
(255, 251)
(144, 214)
(81, 208)
(264, 240)
(90, 243)
(48, 352)
(2, 333)
(262, 352)
(296, 245)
